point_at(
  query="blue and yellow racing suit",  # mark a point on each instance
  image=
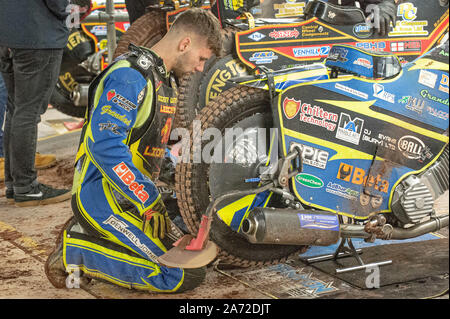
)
(132, 105)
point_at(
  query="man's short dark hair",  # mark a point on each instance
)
(203, 23)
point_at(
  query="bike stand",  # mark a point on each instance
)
(341, 252)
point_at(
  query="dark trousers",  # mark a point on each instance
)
(30, 76)
(3, 97)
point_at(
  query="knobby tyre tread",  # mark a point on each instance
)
(191, 183)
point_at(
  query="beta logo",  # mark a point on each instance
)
(128, 178)
(358, 176)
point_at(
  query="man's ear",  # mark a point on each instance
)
(184, 44)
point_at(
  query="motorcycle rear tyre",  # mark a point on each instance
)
(193, 193)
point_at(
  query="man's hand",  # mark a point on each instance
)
(158, 219)
(387, 14)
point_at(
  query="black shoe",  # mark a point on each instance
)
(41, 194)
(9, 196)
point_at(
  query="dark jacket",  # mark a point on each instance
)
(33, 24)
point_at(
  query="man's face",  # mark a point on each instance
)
(193, 59)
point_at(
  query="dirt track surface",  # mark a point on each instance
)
(27, 236)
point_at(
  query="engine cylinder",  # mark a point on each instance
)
(291, 227)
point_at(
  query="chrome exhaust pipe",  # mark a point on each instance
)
(285, 226)
(434, 224)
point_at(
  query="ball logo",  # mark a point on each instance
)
(411, 147)
(291, 108)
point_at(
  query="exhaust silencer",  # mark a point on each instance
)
(287, 226)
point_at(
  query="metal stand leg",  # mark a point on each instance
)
(343, 251)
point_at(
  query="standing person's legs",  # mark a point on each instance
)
(34, 75)
(8, 77)
(3, 97)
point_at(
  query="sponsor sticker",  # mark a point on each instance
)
(289, 9)
(411, 147)
(427, 95)
(364, 63)
(168, 109)
(382, 140)
(143, 61)
(428, 78)
(358, 176)
(341, 191)
(362, 30)
(349, 129)
(165, 132)
(120, 100)
(317, 221)
(106, 109)
(338, 54)
(99, 30)
(313, 156)
(256, 36)
(440, 114)
(154, 152)
(406, 46)
(379, 92)
(291, 107)
(284, 34)
(309, 52)
(374, 46)
(309, 180)
(141, 96)
(413, 103)
(443, 84)
(122, 227)
(114, 128)
(350, 90)
(263, 57)
(128, 178)
(408, 25)
(316, 115)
